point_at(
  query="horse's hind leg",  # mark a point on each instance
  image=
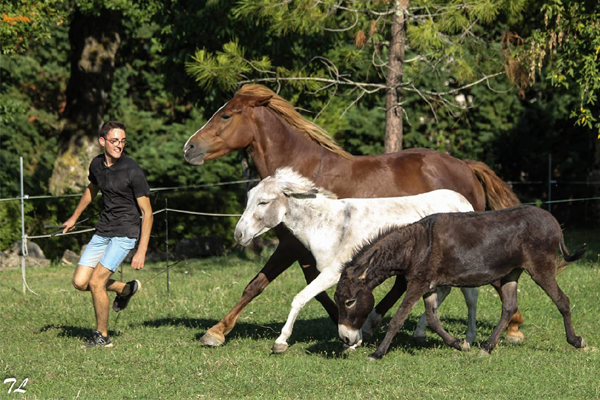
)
(419, 335)
(282, 258)
(431, 306)
(550, 286)
(471, 295)
(376, 316)
(513, 334)
(508, 289)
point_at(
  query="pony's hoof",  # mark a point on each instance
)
(483, 353)
(516, 337)
(279, 348)
(212, 340)
(419, 340)
(465, 346)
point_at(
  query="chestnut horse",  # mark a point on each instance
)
(276, 135)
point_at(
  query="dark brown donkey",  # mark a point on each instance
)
(276, 135)
(456, 249)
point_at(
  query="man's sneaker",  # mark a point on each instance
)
(97, 340)
(121, 302)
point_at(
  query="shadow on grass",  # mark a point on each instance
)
(70, 331)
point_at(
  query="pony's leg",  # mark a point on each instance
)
(508, 289)
(324, 281)
(431, 306)
(282, 258)
(414, 292)
(376, 316)
(513, 334)
(471, 295)
(309, 268)
(550, 286)
(419, 335)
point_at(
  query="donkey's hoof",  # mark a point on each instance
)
(212, 340)
(583, 344)
(419, 340)
(483, 353)
(279, 348)
(465, 346)
(375, 356)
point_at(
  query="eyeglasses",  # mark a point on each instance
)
(115, 141)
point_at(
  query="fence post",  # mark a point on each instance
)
(23, 245)
(167, 239)
(550, 182)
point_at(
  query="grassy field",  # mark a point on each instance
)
(157, 352)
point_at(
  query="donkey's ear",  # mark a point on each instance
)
(310, 194)
(363, 276)
(260, 101)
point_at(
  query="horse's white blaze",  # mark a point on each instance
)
(332, 229)
(190, 138)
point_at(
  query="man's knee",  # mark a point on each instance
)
(80, 284)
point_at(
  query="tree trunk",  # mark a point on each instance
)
(393, 98)
(94, 41)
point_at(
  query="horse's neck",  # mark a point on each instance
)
(277, 144)
(306, 215)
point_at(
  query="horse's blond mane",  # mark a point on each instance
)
(290, 177)
(294, 118)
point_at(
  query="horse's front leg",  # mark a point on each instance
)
(324, 281)
(284, 256)
(309, 268)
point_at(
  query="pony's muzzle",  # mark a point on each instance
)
(351, 337)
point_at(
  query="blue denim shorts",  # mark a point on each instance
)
(108, 251)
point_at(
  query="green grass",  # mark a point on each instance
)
(157, 352)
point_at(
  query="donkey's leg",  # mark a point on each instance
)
(281, 259)
(431, 306)
(309, 268)
(513, 334)
(471, 295)
(440, 294)
(414, 292)
(508, 289)
(376, 316)
(324, 281)
(550, 286)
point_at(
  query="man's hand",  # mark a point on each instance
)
(69, 224)
(138, 260)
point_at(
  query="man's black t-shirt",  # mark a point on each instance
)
(121, 184)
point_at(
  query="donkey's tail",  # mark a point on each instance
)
(571, 257)
(498, 194)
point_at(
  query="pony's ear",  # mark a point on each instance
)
(260, 101)
(363, 276)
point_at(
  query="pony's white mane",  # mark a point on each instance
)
(288, 177)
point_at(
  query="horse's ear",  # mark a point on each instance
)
(260, 101)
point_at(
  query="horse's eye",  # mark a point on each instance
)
(225, 116)
(350, 303)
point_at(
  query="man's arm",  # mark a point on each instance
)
(147, 220)
(90, 192)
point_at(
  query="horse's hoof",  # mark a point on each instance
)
(211, 340)
(515, 337)
(465, 346)
(483, 353)
(279, 348)
(419, 340)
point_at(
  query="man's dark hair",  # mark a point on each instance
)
(110, 125)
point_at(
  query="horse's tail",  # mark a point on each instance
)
(570, 257)
(498, 194)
